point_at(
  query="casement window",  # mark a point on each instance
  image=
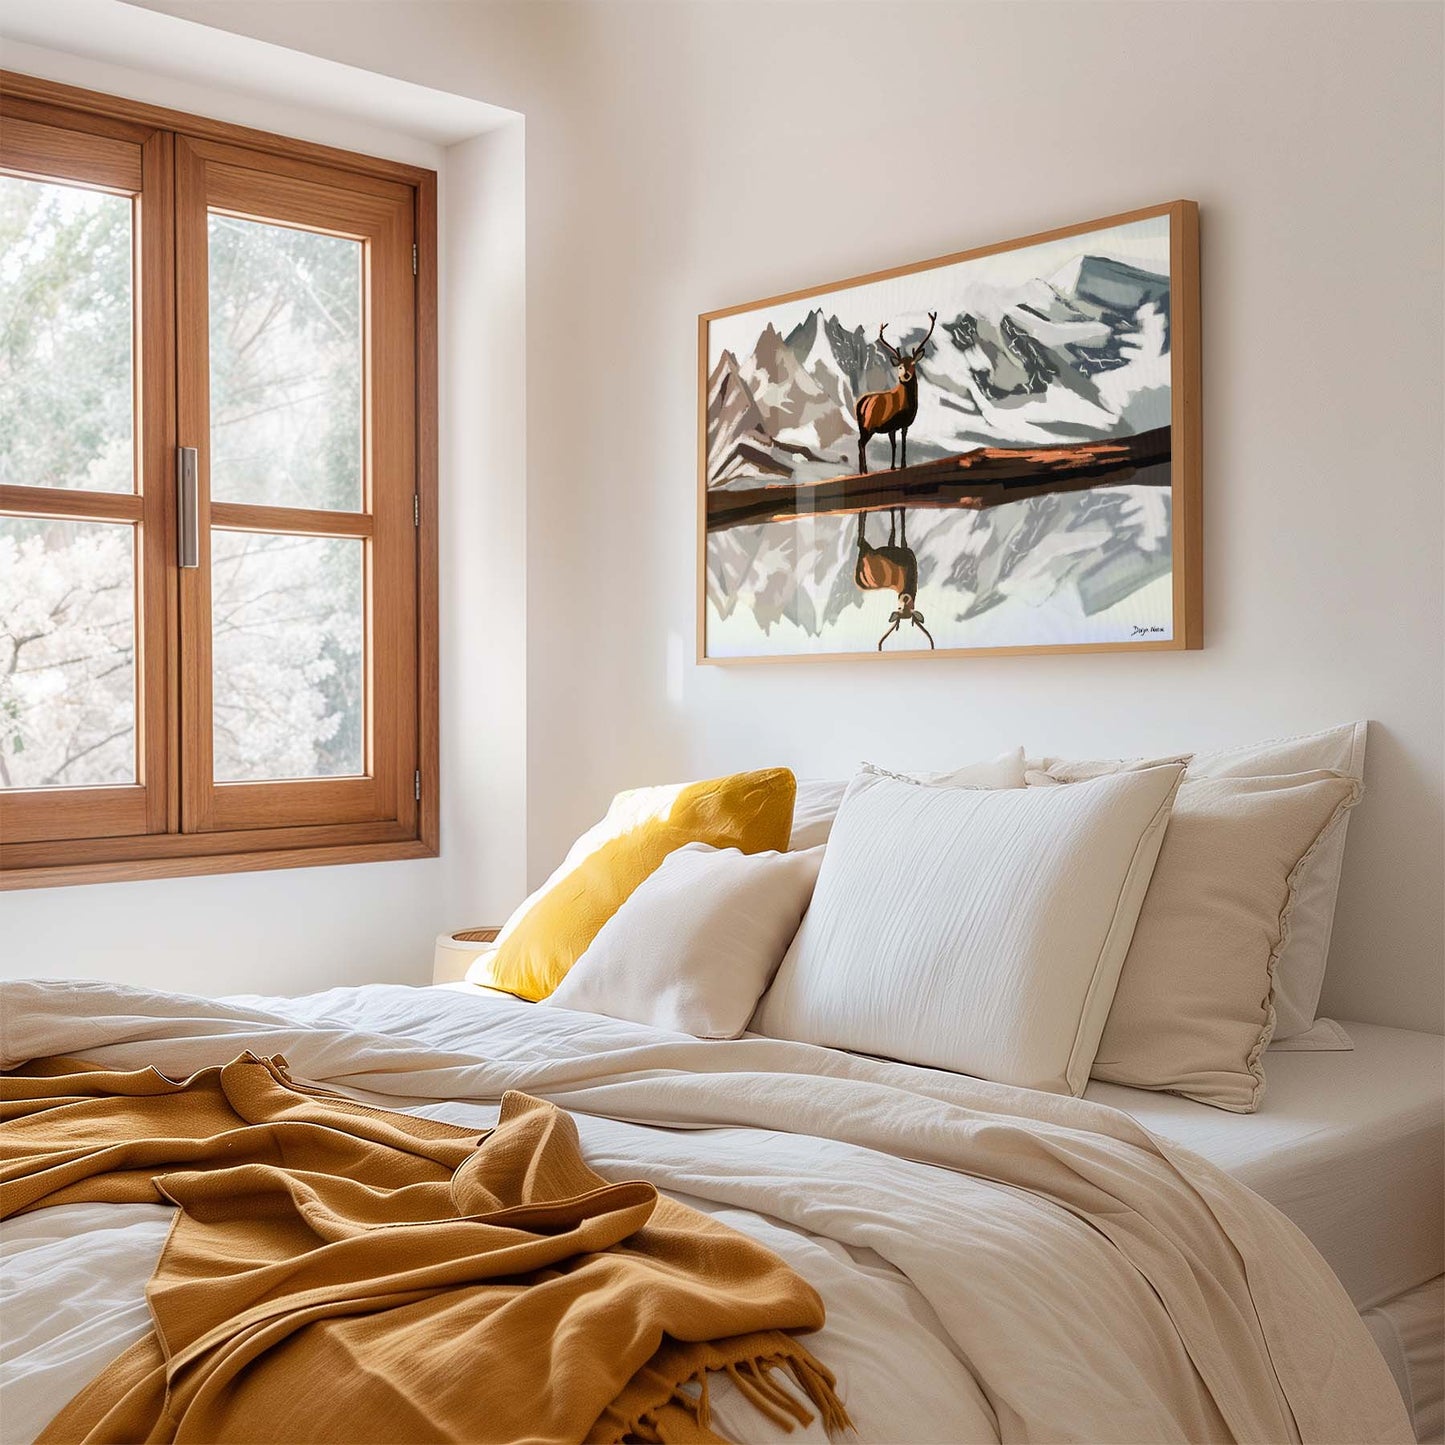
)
(217, 496)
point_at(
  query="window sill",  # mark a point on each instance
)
(131, 869)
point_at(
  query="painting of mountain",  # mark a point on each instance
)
(995, 451)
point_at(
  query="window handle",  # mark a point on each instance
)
(189, 529)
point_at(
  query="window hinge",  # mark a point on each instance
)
(416, 509)
(413, 259)
(418, 785)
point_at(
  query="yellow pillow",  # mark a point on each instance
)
(553, 928)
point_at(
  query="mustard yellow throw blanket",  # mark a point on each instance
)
(342, 1273)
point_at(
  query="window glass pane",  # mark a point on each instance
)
(288, 664)
(67, 418)
(67, 653)
(285, 366)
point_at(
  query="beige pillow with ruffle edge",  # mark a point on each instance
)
(1194, 1010)
(1300, 973)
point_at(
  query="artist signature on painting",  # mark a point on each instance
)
(1145, 631)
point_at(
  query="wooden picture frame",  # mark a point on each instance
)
(1054, 508)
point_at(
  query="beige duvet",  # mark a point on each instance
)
(1068, 1276)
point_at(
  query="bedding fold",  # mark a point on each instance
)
(451, 1287)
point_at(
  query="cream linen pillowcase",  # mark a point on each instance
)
(1300, 971)
(1194, 1010)
(817, 802)
(696, 943)
(977, 930)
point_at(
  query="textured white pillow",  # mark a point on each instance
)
(1299, 973)
(975, 930)
(817, 802)
(697, 942)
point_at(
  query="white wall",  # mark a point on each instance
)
(293, 931)
(483, 468)
(686, 156)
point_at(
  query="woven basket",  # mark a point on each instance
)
(477, 935)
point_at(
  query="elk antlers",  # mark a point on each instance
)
(916, 618)
(906, 613)
(932, 322)
(917, 351)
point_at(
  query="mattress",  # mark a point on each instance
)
(1348, 1144)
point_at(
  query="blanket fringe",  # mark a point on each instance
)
(684, 1416)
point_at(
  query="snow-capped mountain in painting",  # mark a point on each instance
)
(1081, 354)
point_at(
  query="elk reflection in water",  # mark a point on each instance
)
(891, 567)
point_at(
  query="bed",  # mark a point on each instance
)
(868, 1208)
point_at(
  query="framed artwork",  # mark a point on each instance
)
(994, 452)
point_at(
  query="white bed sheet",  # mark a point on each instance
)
(1350, 1145)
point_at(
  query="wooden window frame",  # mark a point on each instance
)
(175, 820)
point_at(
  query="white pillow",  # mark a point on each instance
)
(975, 930)
(814, 809)
(817, 802)
(696, 943)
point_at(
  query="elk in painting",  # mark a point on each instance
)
(890, 413)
